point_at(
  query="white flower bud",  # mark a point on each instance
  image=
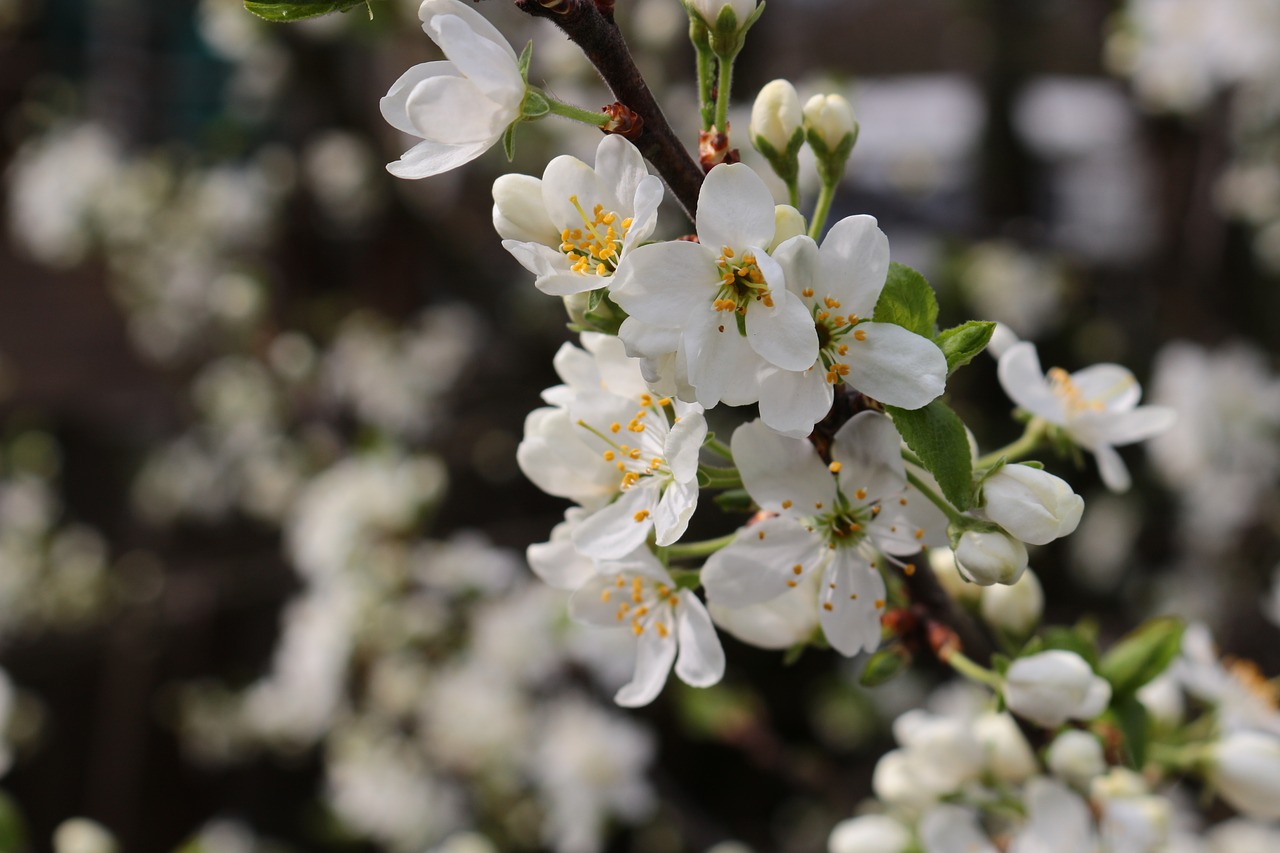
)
(1162, 697)
(1051, 687)
(519, 212)
(829, 117)
(787, 223)
(1245, 769)
(1008, 754)
(987, 558)
(709, 10)
(869, 834)
(943, 563)
(1033, 505)
(1076, 757)
(776, 115)
(1118, 783)
(1016, 607)
(898, 782)
(80, 835)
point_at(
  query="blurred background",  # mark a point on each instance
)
(262, 583)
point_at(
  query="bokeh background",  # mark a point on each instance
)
(261, 527)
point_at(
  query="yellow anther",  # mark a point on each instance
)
(919, 533)
(791, 583)
(797, 569)
(673, 600)
(626, 223)
(646, 400)
(635, 453)
(826, 605)
(727, 252)
(767, 299)
(665, 401)
(822, 315)
(661, 629)
(760, 535)
(609, 218)
(859, 335)
(641, 515)
(909, 569)
(786, 504)
(601, 269)
(807, 292)
(637, 628)
(615, 426)
(879, 603)
(860, 494)
(831, 302)
(605, 595)
(843, 349)
(902, 501)
(818, 505)
(834, 467)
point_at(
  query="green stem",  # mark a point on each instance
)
(718, 447)
(940, 502)
(821, 209)
(793, 193)
(706, 78)
(595, 118)
(974, 671)
(1180, 758)
(705, 548)
(911, 458)
(1025, 445)
(723, 85)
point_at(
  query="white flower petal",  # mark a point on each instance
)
(596, 601)
(722, 365)
(558, 563)
(760, 563)
(577, 368)
(785, 337)
(430, 9)
(646, 201)
(429, 158)
(665, 283)
(869, 451)
(801, 264)
(1115, 474)
(486, 61)
(393, 104)
(673, 511)
(735, 209)
(791, 401)
(855, 262)
(552, 456)
(1110, 384)
(613, 532)
(518, 212)
(453, 111)
(645, 340)
(778, 470)
(622, 169)
(896, 366)
(701, 661)
(567, 178)
(852, 598)
(1023, 380)
(654, 655)
(778, 623)
(1138, 424)
(685, 442)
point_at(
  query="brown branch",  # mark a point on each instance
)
(601, 41)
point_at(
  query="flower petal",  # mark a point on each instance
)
(869, 452)
(477, 22)
(567, 179)
(645, 340)
(792, 401)
(453, 111)
(487, 62)
(675, 508)
(721, 363)
(760, 564)
(622, 169)
(654, 655)
(614, 531)
(785, 337)
(1023, 380)
(783, 475)
(557, 562)
(685, 441)
(701, 661)
(394, 102)
(1110, 384)
(735, 209)
(778, 623)
(664, 283)
(518, 211)
(896, 366)
(855, 262)
(1115, 475)
(596, 601)
(852, 598)
(429, 158)
(1138, 424)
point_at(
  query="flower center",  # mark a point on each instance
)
(1072, 397)
(646, 457)
(835, 330)
(741, 283)
(646, 602)
(596, 246)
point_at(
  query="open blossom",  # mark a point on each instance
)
(572, 228)
(630, 459)
(833, 519)
(721, 304)
(1096, 407)
(637, 593)
(461, 106)
(839, 284)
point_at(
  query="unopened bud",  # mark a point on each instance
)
(869, 834)
(1076, 758)
(787, 223)
(1052, 687)
(777, 129)
(1033, 505)
(829, 119)
(1015, 608)
(1245, 769)
(987, 557)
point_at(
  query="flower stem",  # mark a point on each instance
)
(706, 77)
(723, 85)
(940, 502)
(595, 118)
(1027, 443)
(718, 447)
(720, 478)
(793, 193)
(705, 548)
(974, 671)
(820, 210)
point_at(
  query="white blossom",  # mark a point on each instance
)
(1053, 686)
(1245, 770)
(1015, 607)
(1032, 504)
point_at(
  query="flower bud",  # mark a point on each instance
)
(710, 10)
(519, 212)
(830, 119)
(943, 563)
(776, 119)
(1245, 768)
(1008, 755)
(1033, 505)
(721, 25)
(873, 833)
(1051, 687)
(1076, 757)
(1016, 607)
(990, 557)
(787, 223)
(80, 835)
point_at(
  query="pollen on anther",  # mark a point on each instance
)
(661, 629)
(760, 535)
(786, 504)
(826, 605)
(860, 494)
(615, 427)
(859, 334)
(902, 501)
(909, 569)
(879, 603)
(641, 515)
(818, 505)
(834, 467)
(807, 292)
(919, 534)
(609, 456)
(605, 595)
(797, 569)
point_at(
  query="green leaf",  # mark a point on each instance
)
(961, 343)
(1142, 654)
(509, 141)
(299, 10)
(1131, 718)
(884, 665)
(1072, 640)
(908, 301)
(936, 435)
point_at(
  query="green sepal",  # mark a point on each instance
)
(883, 666)
(509, 141)
(300, 10)
(526, 56)
(785, 164)
(534, 105)
(735, 500)
(1130, 717)
(937, 436)
(1142, 654)
(907, 300)
(594, 298)
(1078, 639)
(960, 344)
(793, 654)
(830, 162)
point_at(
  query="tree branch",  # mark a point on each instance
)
(602, 42)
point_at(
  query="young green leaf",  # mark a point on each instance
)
(936, 435)
(908, 301)
(299, 10)
(1142, 654)
(961, 343)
